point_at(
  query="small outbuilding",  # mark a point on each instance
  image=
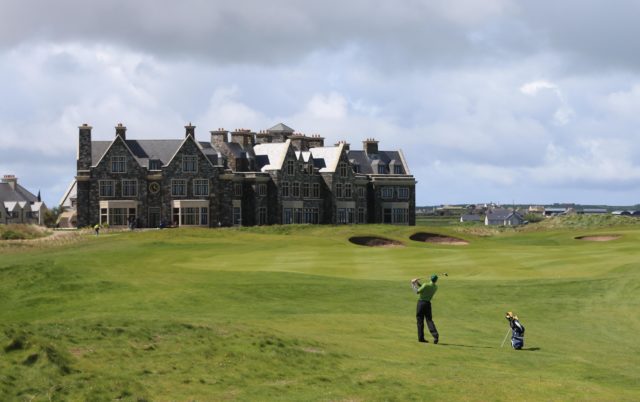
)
(19, 205)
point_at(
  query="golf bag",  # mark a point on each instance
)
(517, 331)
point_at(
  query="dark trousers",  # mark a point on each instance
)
(423, 313)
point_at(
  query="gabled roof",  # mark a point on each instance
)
(200, 147)
(281, 127)
(11, 206)
(327, 158)
(303, 155)
(146, 150)
(271, 156)
(19, 194)
(502, 214)
(72, 192)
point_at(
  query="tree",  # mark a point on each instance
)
(51, 216)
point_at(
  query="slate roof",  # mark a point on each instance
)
(369, 164)
(281, 127)
(145, 150)
(19, 194)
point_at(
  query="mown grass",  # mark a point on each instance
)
(299, 313)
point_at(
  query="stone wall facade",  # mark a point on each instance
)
(296, 192)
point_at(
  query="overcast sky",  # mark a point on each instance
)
(493, 100)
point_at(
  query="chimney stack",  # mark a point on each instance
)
(370, 146)
(121, 131)
(219, 137)
(347, 146)
(11, 180)
(190, 130)
(242, 136)
(84, 147)
(315, 141)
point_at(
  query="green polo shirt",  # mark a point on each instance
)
(426, 291)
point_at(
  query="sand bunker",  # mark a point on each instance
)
(438, 239)
(372, 241)
(598, 238)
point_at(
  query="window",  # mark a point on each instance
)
(107, 188)
(285, 189)
(386, 215)
(237, 216)
(129, 188)
(403, 192)
(310, 168)
(189, 163)
(382, 169)
(204, 216)
(305, 190)
(316, 190)
(118, 164)
(155, 164)
(262, 216)
(262, 190)
(397, 169)
(345, 215)
(400, 215)
(310, 215)
(290, 168)
(339, 190)
(237, 189)
(343, 169)
(189, 216)
(176, 216)
(296, 189)
(361, 216)
(361, 192)
(387, 192)
(297, 215)
(356, 168)
(117, 216)
(347, 190)
(201, 188)
(287, 216)
(178, 188)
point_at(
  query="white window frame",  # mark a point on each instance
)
(338, 190)
(306, 192)
(343, 169)
(361, 192)
(132, 185)
(386, 193)
(315, 190)
(348, 192)
(189, 163)
(262, 216)
(199, 184)
(102, 184)
(118, 164)
(397, 169)
(403, 193)
(291, 168)
(262, 190)
(295, 189)
(174, 183)
(237, 189)
(237, 216)
(284, 189)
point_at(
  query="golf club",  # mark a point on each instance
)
(505, 337)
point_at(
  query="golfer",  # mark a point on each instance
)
(423, 309)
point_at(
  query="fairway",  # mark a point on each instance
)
(299, 313)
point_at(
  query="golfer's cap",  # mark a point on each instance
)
(434, 278)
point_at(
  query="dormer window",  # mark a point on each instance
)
(397, 169)
(343, 169)
(189, 164)
(118, 164)
(382, 169)
(155, 164)
(290, 168)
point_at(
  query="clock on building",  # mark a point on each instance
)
(154, 187)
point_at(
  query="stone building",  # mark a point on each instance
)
(238, 178)
(19, 205)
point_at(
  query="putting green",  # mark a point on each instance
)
(300, 313)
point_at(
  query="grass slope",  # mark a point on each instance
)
(299, 313)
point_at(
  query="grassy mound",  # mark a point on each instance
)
(301, 314)
(22, 232)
